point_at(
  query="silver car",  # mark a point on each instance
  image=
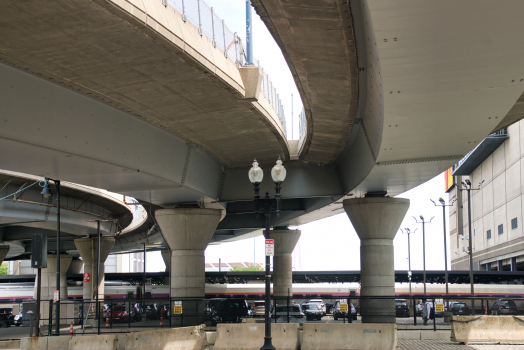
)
(259, 308)
(296, 315)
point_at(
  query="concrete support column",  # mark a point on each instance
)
(187, 232)
(500, 267)
(4, 249)
(513, 264)
(376, 221)
(87, 247)
(285, 241)
(166, 255)
(49, 277)
(75, 267)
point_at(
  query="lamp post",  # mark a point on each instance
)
(408, 231)
(467, 187)
(264, 205)
(444, 205)
(423, 222)
(46, 192)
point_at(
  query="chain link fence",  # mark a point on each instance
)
(211, 25)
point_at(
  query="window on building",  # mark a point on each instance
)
(514, 224)
(501, 229)
(488, 233)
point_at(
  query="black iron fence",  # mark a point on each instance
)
(407, 312)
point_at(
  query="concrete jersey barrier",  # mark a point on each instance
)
(185, 338)
(350, 336)
(94, 342)
(476, 329)
(250, 336)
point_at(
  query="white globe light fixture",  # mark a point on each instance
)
(278, 173)
(256, 174)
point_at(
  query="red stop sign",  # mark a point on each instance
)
(87, 277)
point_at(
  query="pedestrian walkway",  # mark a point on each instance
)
(449, 345)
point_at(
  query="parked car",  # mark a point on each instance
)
(259, 308)
(4, 321)
(138, 311)
(152, 311)
(312, 311)
(211, 306)
(459, 308)
(9, 313)
(339, 314)
(18, 319)
(321, 302)
(230, 311)
(504, 307)
(329, 307)
(280, 314)
(119, 314)
(401, 308)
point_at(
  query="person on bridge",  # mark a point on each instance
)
(426, 311)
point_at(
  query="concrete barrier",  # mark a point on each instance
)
(58, 343)
(250, 336)
(185, 338)
(350, 336)
(9, 344)
(498, 329)
(93, 342)
(423, 335)
(33, 343)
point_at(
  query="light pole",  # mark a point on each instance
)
(46, 192)
(467, 187)
(423, 222)
(408, 231)
(444, 205)
(256, 174)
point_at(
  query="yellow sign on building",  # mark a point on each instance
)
(343, 307)
(177, 310)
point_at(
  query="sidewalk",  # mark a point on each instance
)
(449, 345)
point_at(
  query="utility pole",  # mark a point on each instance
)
(423, 222)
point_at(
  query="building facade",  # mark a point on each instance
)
(495, 169)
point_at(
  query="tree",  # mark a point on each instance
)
(3, 269)
(251, 267)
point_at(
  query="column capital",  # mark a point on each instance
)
(87, 248)
(376, 217)
(285, 240)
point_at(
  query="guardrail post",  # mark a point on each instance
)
(199, 19)
(213, 25)
(224, 33)
(184, 17)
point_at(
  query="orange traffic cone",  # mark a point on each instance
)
(161, 318)
(71, 329)
(107, 319)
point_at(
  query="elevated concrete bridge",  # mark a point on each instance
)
(126, 96)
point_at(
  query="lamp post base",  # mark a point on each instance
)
(268, 344)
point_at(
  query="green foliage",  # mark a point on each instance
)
(251, 267)
(3, 269)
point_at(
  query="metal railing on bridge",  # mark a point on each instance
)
(211, 25)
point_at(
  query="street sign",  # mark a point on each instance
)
(177, 310)
(439, 305)
(56, 295)
(87, 277)
(270, 247)
(343, 307)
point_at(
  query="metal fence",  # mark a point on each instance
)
(211, 25)
(116, 315)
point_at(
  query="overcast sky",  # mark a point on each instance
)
(331, 243)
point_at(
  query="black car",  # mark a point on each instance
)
(9, 314)
(401, 308)
(338, 314)
(211, 306)
(230, 311)
(504, 307)
(460, 309)
(329, 307)
(4, 321)
(313, 311)
(152, 312)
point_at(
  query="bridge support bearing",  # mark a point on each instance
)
(87, 248)
(377, 220)
(187, 232)
(4, 249)
(285, 242)
(75, 267)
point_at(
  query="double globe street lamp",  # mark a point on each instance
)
(265, 205)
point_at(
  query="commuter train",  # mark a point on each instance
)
(17, 292)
